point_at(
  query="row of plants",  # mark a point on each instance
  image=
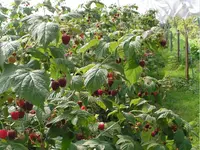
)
(84, 80)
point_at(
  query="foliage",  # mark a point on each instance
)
(101, 76)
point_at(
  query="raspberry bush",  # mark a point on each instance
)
(81, 80)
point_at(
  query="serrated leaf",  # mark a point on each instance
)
(46, 32)
(133, 74)
(88, 45)
(186, 145)
(114, 66)
(63, 63)
(135, 101)
(102, 49)
(179, 136)
(2, 59)
(113, 46)
(17, 146)
(85, 68)
(130, 117)
(72, 15)
(5, 77)
(31, 85)
(42, 32)
(9, 47)
(33, 64)
(74, 120)
(66, 142)
(57, 52)
(127, 143)
(95, 78)
(101, 104)
(76, 83)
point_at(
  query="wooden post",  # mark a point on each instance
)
(186, 56)
(178, 42)
(171, 41)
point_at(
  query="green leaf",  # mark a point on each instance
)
(101, 104)
(102, 49)
(129, 117)
(2, 59)
(17, 146)
(89, 45)
(74, 120)
(179, 136)
(37, 54)
(95, 78)
(133, 74)
(186, 145)
(5, 77)
(99, 4)
(66, 142)
(9, 47)
(127, 143)
(72, 15)
(76, 83)
(31, 85)
(113, 46)
(135, 101)
(42, 32)
(33, 64)
(155, 146)
(85, 68)
(57, 52)
(114, 66)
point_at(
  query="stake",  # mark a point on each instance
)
(186, 56)
(171, 42)
(178, 42)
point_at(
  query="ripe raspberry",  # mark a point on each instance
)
(55, 85)
(101, 126)
(15, 115)
(62, 82)
(140, 94)
(153, 133)
(20, 103)
(65, 39)
(142, 63)
(80, 103)
(163, 42)
(28, 106)
(154, 93)
(114, 92)
(147, 125)
(110, 82)
(32, 136)
(79, 136)
(3, 134)
(12, 134)
(99, 92)
(21, 114)
(83, 108)
(110, 75)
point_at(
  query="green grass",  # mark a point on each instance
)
(184, 103)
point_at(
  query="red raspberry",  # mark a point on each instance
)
(15, 115)
(3, 134)
(12, 134)
(101, 126)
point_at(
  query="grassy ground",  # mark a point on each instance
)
(184, 103)
(185, 97)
